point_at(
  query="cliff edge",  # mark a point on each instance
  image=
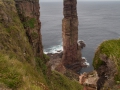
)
(107, 64)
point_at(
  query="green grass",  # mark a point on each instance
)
(17, 62)
(34, 35)
(30, 23)
(20, 76)
(15, 74)
(60, 82)
(8, 72)
(13, 40)
(111, 49)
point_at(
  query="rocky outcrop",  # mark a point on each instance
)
(107, 64)
(81, 43)
(55, 62)
(71, 52)
(28, 11)
(106, 73)
(89, 80)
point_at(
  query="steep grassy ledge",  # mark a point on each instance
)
(111, 48)
(13, 40)
(20, 69)
(107, 62)
(17, 60)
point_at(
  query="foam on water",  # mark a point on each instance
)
(54, 49)
(58, 49)
(86, 62)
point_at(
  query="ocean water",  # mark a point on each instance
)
(98, 21)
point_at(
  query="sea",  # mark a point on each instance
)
(98, 21)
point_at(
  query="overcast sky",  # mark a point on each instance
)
(78, 0)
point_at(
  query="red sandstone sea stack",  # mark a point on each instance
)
(71, 51)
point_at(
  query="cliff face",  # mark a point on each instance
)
(107, 64)
(71, 52)
(17, 61)
(20, 69)
(13, 40)
(28, 11)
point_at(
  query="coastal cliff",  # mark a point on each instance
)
(13, 40)
(28, 11)
(23, 65)
(107, 64)
(22, 62)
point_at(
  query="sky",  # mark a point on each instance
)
(78, 0)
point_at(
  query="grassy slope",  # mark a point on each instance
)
(18, 67)
(111, 48)
(15, 74)
(60, 82)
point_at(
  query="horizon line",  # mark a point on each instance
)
(88, 1)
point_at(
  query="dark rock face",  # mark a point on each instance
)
(81, 44)
(71, 51)
(28, 11)
(106, 73)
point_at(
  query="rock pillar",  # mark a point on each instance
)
(71, 53)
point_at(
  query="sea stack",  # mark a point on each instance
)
(71, 50)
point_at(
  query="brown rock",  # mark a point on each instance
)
(89, 80)
(71, 53)
(106, 73)
(28, 11)
(55, 62)
(81, 44)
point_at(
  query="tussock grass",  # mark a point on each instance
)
(13, 38)
(16, 75)
(60, 82)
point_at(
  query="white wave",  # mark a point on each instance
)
(86, 62)
(83, 58)
(54, 49)
(80, 40)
